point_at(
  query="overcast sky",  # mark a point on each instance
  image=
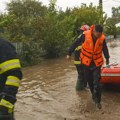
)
(108, 4)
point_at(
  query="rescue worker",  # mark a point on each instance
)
(10, 77)
(81, 84)
(91, 56)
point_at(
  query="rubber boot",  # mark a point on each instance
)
(98, 105)
(79, 85)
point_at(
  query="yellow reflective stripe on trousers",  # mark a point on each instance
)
(8, 65)
(78, 48)
(6, 103)
(77, 62)
(13, 81)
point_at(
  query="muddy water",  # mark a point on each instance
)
(48, 93)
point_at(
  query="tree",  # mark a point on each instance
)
(111, 22)
(116, 14)
(45, 29)
(57, 33)
(111, 27)
(87, 15)
(24, 23)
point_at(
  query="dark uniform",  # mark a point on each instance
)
(10, 77)
(92, 73)
(76, 48)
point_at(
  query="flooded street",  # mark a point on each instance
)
(48, 93)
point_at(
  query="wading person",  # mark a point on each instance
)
(91, 56)
(76, 48)
(10, 77)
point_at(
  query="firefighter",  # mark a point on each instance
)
(81, 84)
(91, 56)
(10, 77)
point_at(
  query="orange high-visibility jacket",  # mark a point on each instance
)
(91, 52)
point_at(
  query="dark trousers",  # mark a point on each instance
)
(93, 76)
(2, 86)
(81, 83)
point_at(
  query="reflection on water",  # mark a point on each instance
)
(48, 93)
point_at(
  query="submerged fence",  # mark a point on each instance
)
(29, 53)
(21, 48)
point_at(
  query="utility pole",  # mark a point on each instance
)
(101, 9)
(101, 5)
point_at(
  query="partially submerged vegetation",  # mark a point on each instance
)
(48, 31)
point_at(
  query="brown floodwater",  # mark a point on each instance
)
(48, 92)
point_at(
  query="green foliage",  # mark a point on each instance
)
(31, 54)
(111, 28)
(88, 15)
(45, 29)
(58, 32)
(116, 14)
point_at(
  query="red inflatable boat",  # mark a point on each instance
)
(110, 74)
